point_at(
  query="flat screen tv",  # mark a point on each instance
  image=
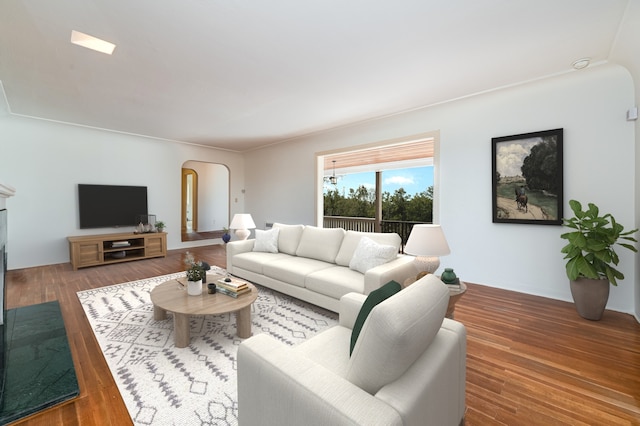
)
(105, 206)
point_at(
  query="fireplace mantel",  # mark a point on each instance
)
(6, 191)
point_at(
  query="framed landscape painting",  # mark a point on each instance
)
(527, 178)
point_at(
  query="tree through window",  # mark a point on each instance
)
(400, 175)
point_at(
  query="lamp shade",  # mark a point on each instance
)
(242, 221)
(427, 240)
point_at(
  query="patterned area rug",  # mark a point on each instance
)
(196, 385)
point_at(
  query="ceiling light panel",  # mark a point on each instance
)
(90, 42)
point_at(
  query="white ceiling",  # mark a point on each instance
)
(239, 74)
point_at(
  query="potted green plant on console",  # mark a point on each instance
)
(591, 258)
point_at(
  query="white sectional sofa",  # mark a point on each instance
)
(319, 265)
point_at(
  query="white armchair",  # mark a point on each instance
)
(407, 367)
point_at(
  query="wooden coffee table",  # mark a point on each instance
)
(172, 296)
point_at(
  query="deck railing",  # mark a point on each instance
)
(363, 224)
(367, 224)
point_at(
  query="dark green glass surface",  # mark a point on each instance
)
(39, 366)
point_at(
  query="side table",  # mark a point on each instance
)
(454, 295)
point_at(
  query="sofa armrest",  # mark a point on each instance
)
(398, 269)
(459, 330)
(278, 386)
(236, 247)
(350, 305)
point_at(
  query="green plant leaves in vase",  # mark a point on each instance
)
(590, 250)
(195, 270)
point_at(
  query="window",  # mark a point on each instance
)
(378, 183)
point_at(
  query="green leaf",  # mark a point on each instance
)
(630, 247)
(576, 207)
(572, 269)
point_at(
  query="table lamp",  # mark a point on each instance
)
(242, 223)
(427, 242)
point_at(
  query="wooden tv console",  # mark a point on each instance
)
(95, 250)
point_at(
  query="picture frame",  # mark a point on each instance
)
(527, 178)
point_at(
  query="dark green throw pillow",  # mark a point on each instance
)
(375, 297)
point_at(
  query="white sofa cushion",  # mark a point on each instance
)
(329, 349)
(397, 332)
(352, 238)
(320, 243)
(288, 237)
(267, 240)
(370, 254)
(293, 270)
(255, 260)
(335, 282)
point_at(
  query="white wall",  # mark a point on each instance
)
(44, 161)
(625, 53)
(599, 167)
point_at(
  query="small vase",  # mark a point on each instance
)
(194, 288)
(206, 268)
(449, 277)
(226, 237)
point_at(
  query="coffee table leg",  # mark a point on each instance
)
(243, 322)
(181, 328)
(159, 314)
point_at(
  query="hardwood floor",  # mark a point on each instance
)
(197, 236)
(534, 361)
(530, 360)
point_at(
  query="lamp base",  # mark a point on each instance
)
(421, 274)
(426, 265)
(243, 234)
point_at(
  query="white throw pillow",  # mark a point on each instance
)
(352, 238)
(370, 254)
(266, 240)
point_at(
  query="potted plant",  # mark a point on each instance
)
(591, 258)
(160, 226)
(195, 273)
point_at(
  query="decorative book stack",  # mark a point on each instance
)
(232, 287)
(454, 286)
